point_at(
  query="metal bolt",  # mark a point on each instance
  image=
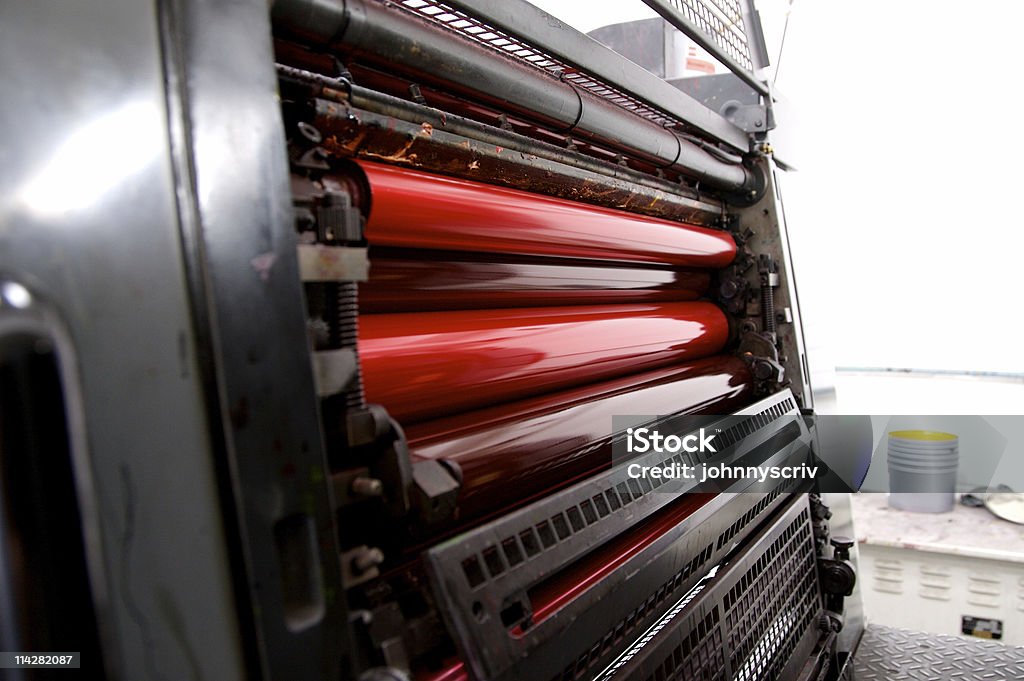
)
(367, 487)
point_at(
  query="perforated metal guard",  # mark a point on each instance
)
(772, 604)
(515, 48)
(748, 621)
(722, 21)
(701, 562)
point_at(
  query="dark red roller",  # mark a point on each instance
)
(410, 209)
(513, 453)
(409, 284)
(423, 365)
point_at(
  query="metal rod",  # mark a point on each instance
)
(406, 44)
(679, 20)
(556, 38)
(539, 167)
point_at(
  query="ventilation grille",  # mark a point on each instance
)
(699, 656)
(722, 21)
(766, 611)
(743, 625)
(698, 565)
(628, 624)
(737, 432)
(497, 559)
(772, 604)
(514, 48)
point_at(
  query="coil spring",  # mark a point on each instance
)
(768, 306)
(343, 321)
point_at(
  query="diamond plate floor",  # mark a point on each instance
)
(888, 654)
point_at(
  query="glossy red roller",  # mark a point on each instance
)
(410, 209)
(517, 452)
(407, 284)
(424, 365)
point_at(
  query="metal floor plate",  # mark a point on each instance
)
(889, 654)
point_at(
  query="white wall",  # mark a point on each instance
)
(905, 220)
(906, 227)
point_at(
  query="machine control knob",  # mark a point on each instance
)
(841, 547)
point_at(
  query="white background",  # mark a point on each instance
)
(905, 214)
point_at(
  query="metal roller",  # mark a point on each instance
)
(410, 209)
(409, 282)
(425, 365)
(511, 454)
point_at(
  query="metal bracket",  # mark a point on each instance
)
(428, 490)
(759, 350)
(333, 370)
(360, 565)
(320, 263)
(752, 118)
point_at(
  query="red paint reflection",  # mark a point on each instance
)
(423, 365)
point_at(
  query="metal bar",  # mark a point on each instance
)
(755, 35)
(469, 359)
(406, 44)
(677, 19)
(385, 127)
(254, 310)
(548, 33)
(411, 209)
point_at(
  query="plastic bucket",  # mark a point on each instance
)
(922, 470)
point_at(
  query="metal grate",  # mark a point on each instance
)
(514, 48)
(517, 548)
(722, 21)
(698, 564)
(772, 604)
(888, 654)
(698, 656)
(745, 621)
(482, 578)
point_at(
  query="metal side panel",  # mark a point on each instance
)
(480, 574)
(89, 226)
(250, 307)
(766, 222)
(890, 654)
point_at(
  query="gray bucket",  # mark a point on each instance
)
(922, 470)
